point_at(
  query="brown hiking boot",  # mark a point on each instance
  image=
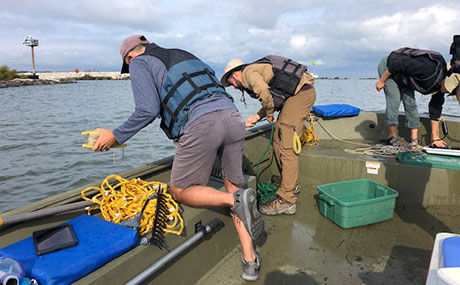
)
(276, 179)
(277, 207)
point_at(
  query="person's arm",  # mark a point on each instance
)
(397, 65)
(261, 89)
(457, 93)
(381, 83)
(251, 121)
(435, 110)
(146, 98)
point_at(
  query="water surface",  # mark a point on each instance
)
(40, 127)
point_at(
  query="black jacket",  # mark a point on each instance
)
(420, 69)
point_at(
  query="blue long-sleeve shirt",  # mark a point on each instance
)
(148, 74)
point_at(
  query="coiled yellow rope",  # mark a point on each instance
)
(308, 135)
(296, 143)
(125, 199)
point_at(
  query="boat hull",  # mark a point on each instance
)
(306, 247)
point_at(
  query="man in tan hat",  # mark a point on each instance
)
(450, 85)
(200, 116)
(280, 84)
(407, 70)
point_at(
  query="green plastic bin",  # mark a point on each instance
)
(356, 203)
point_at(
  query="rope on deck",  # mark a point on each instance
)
(369, 149)
(378, 149)
(334, 137)
(127, 200)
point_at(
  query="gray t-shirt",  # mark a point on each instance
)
(148, 74)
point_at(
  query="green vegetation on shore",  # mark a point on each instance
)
(89, 77)
(7, 74)
(11, 78)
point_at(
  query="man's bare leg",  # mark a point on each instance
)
(205, 196)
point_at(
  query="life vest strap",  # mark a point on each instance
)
(184, 102)
(289, 61)
(187, 77)
(216, 84)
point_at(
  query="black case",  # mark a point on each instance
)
(54, 238)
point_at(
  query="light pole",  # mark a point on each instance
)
(30, 42)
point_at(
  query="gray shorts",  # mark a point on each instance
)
(217, 134)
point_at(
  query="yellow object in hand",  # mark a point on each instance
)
(92, 138)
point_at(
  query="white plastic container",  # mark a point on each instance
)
(437, 274)
(10, 271)
(449, 275)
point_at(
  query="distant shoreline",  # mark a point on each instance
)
(346, 78)
(114, 75)
(50, 78)
(18, 82)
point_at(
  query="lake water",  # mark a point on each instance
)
(40, 132)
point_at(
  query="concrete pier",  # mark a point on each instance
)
(47, 78)
(76, 75)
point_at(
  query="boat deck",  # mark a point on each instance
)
(304, 248)
(307, 248)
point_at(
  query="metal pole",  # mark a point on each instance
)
(212, 226)
(33, 60)
(11, 220)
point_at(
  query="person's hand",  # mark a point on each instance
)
(439, 143)
(379, 85)
(270, 119)
(105, 141)
(251, 121)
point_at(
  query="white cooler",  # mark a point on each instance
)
(438, 274)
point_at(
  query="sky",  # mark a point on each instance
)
(334, 38)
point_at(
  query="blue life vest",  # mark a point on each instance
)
(188, 79)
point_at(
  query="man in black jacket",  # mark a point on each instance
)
(406, 70)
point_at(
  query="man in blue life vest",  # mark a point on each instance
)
(407, 70)
(284, 85)
(200, 116)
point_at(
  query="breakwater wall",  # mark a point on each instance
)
(76, 75)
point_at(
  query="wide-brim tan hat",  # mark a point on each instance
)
(232, 65)
(451, 82)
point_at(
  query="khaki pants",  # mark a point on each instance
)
(292, 117)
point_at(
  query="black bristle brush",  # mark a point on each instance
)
(160, 222)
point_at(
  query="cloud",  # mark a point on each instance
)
(106, 13)
(349, 37)
(424, 27)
